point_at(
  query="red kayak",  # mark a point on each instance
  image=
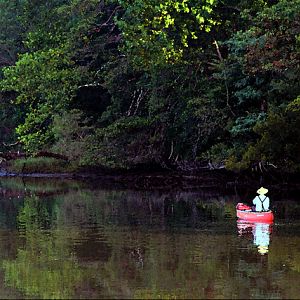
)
(244, 212)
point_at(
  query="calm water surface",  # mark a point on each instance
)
(64, 239)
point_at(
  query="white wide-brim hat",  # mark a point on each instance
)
(262, 191)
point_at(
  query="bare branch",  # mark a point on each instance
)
(172, 149)
(225, 79)
(11, 145)
(136, 101)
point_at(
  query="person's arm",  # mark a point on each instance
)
(254, 200)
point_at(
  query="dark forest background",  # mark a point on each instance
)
(131, 83)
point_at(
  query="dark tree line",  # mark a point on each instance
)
(128, 83)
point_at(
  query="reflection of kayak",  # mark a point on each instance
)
(261, 232)
(246, 214)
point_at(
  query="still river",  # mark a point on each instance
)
(66, 239)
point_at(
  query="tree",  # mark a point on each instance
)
(45, 78)
(263, 61)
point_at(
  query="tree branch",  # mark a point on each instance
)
(225, 79)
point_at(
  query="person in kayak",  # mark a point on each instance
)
(261, 202)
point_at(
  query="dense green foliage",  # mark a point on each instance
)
(125, 83)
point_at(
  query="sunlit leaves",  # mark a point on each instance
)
(158, 32)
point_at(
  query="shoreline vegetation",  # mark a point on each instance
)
(177, 87)
(192, 176)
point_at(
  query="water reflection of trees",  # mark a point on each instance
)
(129, 208)
(45, 265)
(101, 244)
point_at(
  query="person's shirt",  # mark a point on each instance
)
(261, 203)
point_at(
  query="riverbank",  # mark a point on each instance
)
(149, 177)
